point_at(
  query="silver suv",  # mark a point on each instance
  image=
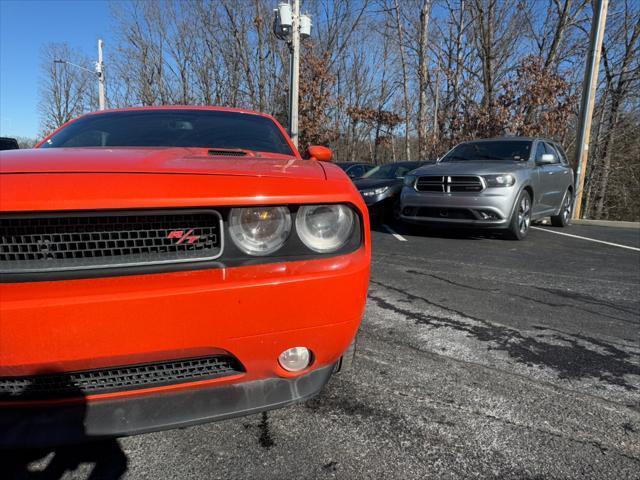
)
(502, 183)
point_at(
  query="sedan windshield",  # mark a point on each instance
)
(173, 128)
(514, 150)
(390, 170)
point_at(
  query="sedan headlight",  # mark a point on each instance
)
(259, 230)
(325, 228)
(506, 180)
(373, 191)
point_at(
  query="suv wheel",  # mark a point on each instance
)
(521, 218)
(564, 217)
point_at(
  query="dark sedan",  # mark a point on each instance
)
(381, 186)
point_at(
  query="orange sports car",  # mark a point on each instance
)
(167, 266)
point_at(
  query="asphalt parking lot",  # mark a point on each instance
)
(478, 358)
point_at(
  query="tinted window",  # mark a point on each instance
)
(540, 150)
(173, 128)
(8, 144)
(551, 148)
(563, 155)
(402, 171)
(391, 170)
(515, 150)
(356, 171)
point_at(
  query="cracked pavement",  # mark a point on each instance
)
(477, 358)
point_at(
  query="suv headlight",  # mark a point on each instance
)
(506, 180)
(324, 228)
(259, 230)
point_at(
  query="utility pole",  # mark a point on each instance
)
(589, 86)
(100, 72)
(294, 78)
(290, 26)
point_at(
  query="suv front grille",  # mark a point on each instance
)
(116, 379)
(76, 241)
(449, 183)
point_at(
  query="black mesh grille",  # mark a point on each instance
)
(78, 241)
(90, 382)
(449, 184)
(228, 153)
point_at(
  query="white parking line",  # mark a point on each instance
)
(587, 238)
(399, 237)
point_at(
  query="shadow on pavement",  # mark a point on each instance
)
(52, 463)
(436, 231)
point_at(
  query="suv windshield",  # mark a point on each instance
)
(514, 150)
(173, 128)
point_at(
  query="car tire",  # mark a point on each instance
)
(564, 217)
(521, 218)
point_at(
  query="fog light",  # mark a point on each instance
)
(295, 359)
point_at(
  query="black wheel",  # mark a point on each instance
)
(564, 217)
(521, 218)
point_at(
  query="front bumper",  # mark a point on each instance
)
(252, 312)
(491, 208)
(78, 422)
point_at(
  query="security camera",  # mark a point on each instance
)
(282, 21)
(285, 15)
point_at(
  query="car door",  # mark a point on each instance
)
(558, 178)
(542, 179)
(565, 178)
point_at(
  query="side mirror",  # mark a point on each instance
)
(319, 153)
(546, 158)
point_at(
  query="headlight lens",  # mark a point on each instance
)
(325, 228)
(506, 180)
(410, 180)
(259, 230)
(374, 191)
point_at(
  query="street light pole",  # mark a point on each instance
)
(589, 86)
(100, 72)
(294, 57)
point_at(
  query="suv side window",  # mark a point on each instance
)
(561, 154)
(551, 149)
(540, 150)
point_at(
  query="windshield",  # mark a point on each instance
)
(390, 170)
(514, 150)
(173, 128)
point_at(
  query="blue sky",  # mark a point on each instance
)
(26, 25)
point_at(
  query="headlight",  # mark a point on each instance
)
(410, 180)
(373, 191)
(324, 228)
(259, 230)
(500, 180)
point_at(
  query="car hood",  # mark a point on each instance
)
(193, 161)
(471, 168)
(366, 183)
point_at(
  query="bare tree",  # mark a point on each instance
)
(66, 91)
